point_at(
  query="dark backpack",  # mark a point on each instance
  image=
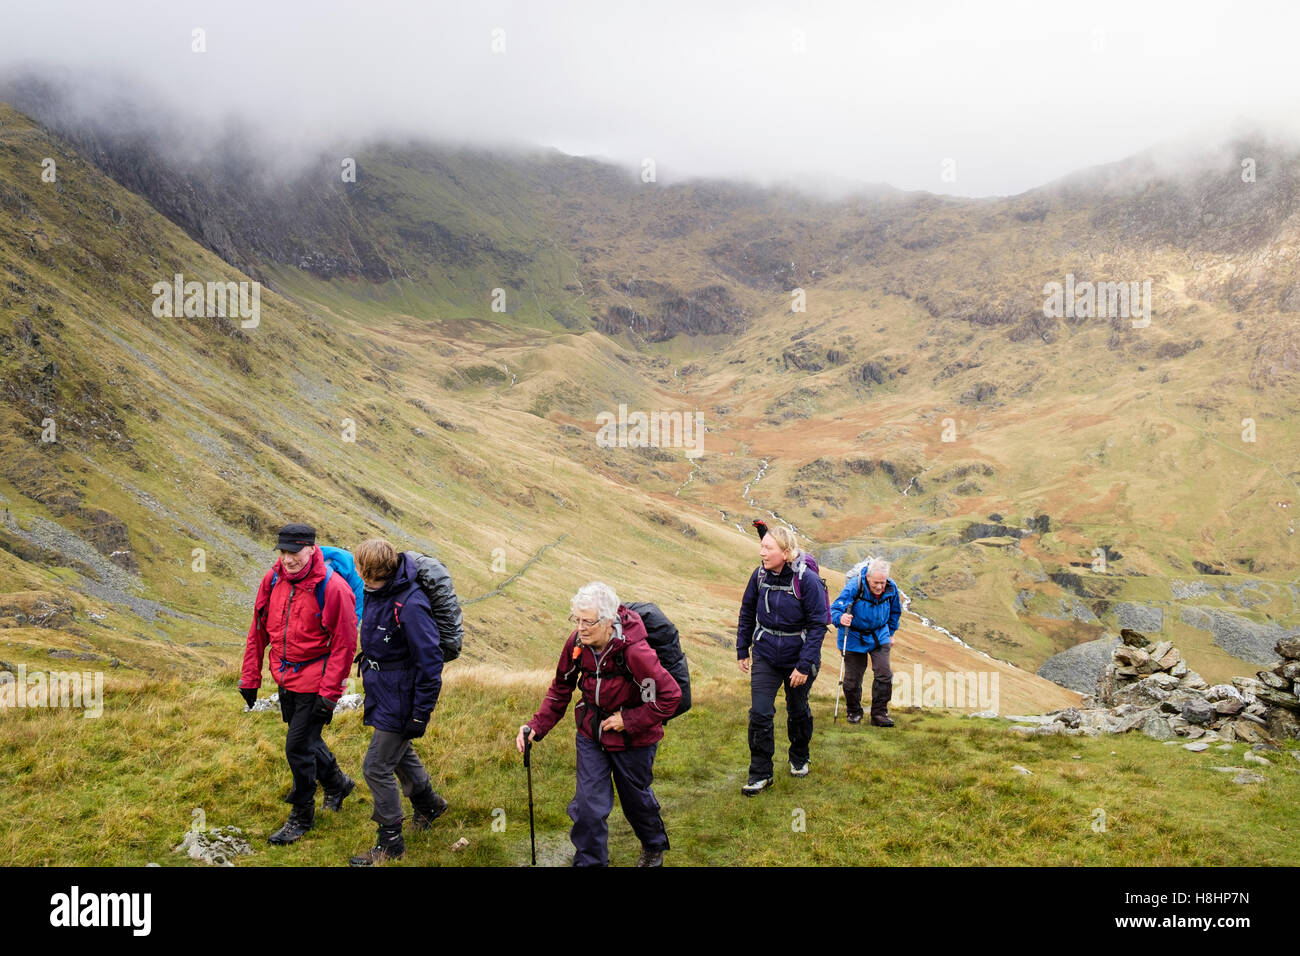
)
(661, 634)
(435, 581)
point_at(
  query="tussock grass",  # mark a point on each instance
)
(936, 790)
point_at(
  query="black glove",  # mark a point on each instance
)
(249, 694)
(323, 709)
(414, 728)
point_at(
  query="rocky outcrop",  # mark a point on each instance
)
(1080, 667)
(1237, 635)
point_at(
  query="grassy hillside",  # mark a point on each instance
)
(938, 789)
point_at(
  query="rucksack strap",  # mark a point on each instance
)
(760, 629)
(371, 664)
(299, 665)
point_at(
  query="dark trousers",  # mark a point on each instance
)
(882, 682)
(309, 758)
(764, 681)
(390, 760)
(633, 773)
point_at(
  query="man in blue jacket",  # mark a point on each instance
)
(867, 613)
(783, 618)
(401, 664)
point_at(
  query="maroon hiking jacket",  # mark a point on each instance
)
(607, 687)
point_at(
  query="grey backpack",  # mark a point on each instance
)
(435, 581)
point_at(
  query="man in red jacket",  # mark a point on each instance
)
(307, 614)
(626, 697)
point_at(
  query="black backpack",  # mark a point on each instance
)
(435, 581)
(662, 635)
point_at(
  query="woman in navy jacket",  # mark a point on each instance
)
(867, 613)
(401, 666)
(783, 620)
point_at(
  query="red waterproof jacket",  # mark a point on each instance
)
(626, 676)
(311, 647)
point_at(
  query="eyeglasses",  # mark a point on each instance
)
(581, 624)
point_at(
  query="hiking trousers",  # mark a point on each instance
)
(764, 681)
(309, 757)
(391, 760)
(882, 681)
(632, 771)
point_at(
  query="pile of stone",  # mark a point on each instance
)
(218, 846)
(1149, 688)
(346, 702)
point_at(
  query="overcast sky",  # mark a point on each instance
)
(820, 93)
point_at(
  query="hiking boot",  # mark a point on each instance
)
(428, 805)
(650, 857)
(389, 845)
(800, 771)
(855, 718)
(882, 721)
(756, 785)
(334, 799)
(301, 819)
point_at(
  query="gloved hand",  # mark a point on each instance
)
(249, 694)
(323, 709)
(414, 728)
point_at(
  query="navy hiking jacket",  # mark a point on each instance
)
(784, 630)
(401, 661)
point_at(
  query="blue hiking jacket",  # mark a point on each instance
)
(783, 630)
(875, 619)
(401, 663)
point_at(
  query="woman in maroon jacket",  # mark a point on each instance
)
(626, 697)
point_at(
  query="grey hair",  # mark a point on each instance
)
(872, 565)
(598, 596)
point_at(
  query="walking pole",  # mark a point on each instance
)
(843, 647)
(532, 832)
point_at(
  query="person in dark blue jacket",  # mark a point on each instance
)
(401, 665)
(867, 613)
(784, 624)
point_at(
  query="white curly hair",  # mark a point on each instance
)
(596, 596)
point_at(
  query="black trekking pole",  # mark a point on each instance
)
(532, 831)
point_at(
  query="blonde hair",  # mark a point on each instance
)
(376, 559)
(786, 540)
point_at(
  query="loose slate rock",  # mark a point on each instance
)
(1247, 777)
(1157, 728)
(1196, 747)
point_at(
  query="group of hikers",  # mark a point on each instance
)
(308, 614)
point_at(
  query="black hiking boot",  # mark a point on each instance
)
(882, 721)
(389, 845)
(301, 819)
(334, 798)
(428, 805)
(650, 857)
